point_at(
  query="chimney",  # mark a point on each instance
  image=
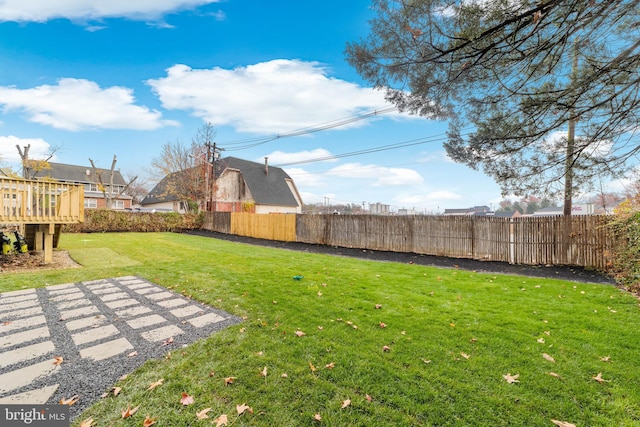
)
(266, 165)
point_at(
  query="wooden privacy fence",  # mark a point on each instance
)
(584, 241)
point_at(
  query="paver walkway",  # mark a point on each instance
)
(96, 327)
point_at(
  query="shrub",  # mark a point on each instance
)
(105, 220)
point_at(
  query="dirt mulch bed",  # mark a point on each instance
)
(33, 261)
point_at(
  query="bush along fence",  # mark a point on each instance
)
(585, 241)
(105, 220)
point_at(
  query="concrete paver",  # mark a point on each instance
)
(87, 324)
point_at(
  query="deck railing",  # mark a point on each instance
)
(40, 202)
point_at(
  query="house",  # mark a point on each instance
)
(93, 196)
(576, 209)
(237, 186)
(475, 210)
(505, 214)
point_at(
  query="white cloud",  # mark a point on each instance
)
(382, 176)
(76, 104)
(303, 178)
(280, 157)
(44, 10)
(269, 97)
(9, 153)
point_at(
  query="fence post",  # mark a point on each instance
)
(512, 243)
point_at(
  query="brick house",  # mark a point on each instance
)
(93, 196)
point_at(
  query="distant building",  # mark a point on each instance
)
(379, 209)
(475, 210)
(577, 209)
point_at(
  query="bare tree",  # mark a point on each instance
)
(186, 170)
(110, 191)
(31, 167)
(509, 75)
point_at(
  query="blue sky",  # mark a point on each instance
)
(124, 77)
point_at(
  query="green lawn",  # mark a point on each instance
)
(433, 353)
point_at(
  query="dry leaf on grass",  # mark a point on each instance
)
(563, 423)
(383, 325)
(548, 357)
(369, 399)
(203, 414)
(553, 374)
(186, 399)
(87, 423)
(317, 417)
(605, 359)
(313, 368)
(330, 365)
(155, 384)
(229, 380)
(386, 348)
(126, 413)
(465, 355)
(70, 401)
(115, 391)
(300, 333)
(221, 420)
(264, 372)
(600, 379)
(345, 403)
(378, 306)
(241, 409)
(148, 421)
(511, 378)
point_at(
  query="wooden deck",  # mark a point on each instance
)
(43, 205)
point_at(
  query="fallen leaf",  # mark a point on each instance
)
(511, 378)
(70, 401)
(57, 360)
(156, 384)
(124, 377)
(148, 421)
(313, 368)
(203, 414)
(300, 333)
(345, 403)
(87, 423)
(330, 365)
(386, 348)
(229, 380)
(563, 423)
(129, 411)
(167, 341)
(317, 417)
(605, 359)
(367, 397)
(244, 408)
(548, 357)
(547, 333)
(115, 390)
(264, 372)
(383, 325)
(186, 399)
(426, 361)
(221, 420)
(284, 375)
(319, 293)
(600, 379)
(132, 354)
(465, 355)
(553, 374)
(378, 306)
(212, 373)
(7, 323)
(540, 340)
(320, 328)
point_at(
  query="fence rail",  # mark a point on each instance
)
(40, 202)
(584, 241)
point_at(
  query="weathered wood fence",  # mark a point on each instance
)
(584, 241)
